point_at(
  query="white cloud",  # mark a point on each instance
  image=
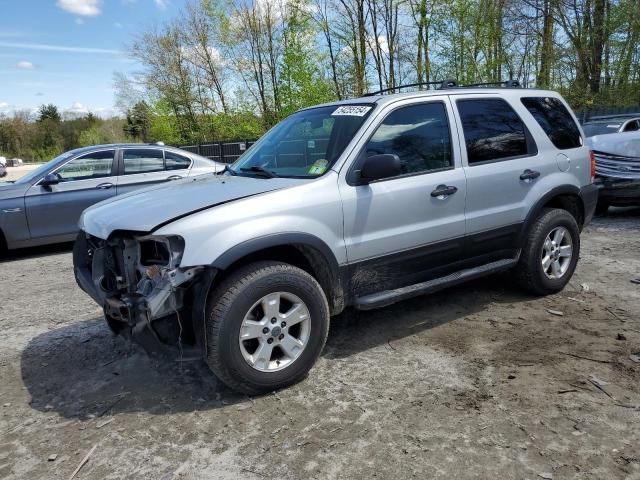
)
(4, 105)
(161, 3)
(78, 107)
(25, 65)
(79, 21)
(59, 48)
(87, 8)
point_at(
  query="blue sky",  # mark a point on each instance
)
(66, 51)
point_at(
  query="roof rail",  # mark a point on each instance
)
(505, 84)
(442, 83)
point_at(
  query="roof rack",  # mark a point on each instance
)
(505, 84)
(442, 83)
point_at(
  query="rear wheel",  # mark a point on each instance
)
(550, 254)
(266, 326)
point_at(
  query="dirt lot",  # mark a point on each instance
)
(478, 381)
(13, 173)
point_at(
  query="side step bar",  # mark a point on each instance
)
(388, 297)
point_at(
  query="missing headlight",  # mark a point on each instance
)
(154, 253)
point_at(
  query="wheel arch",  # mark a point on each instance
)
(302, 250)
(566, 197)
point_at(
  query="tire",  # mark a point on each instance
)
(602, 207)
(239, 296)
(529, 272)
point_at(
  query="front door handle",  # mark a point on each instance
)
(529, 175)
(174, 177)
(443, 191)
(104, 186)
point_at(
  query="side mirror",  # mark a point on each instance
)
(49, 179)
(380, 166)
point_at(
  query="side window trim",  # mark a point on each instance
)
(532, 147)
(354, 167)
(113, 173)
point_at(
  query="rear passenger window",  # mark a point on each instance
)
(555, 120)
(173, 161)
(493, 131)
(418, 134)
(143, 160)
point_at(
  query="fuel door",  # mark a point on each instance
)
(564, 162)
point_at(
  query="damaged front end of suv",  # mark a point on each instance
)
(145, 294)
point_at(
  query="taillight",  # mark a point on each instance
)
(592, 157)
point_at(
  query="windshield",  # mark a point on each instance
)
(35, 174)
(591, 129)
(304, 145)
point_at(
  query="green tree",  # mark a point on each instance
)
(137, 126)
(48, 112)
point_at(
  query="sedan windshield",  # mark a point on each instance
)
(601, 128)
(35, 174)
(304, 145)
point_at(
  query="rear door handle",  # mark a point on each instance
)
(104, 186)
(529, 175)
(174, 177)
(443, 191)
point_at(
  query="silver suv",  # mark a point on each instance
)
(358, 203)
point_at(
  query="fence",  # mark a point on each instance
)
(226, 152)
(606, 112)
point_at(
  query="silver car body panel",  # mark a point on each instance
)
(162, 203)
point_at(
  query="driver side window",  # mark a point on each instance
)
(418, 135)
(91, 165)
(632, 126)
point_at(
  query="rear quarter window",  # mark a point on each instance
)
(555, 120)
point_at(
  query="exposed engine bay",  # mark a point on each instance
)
(144, 292)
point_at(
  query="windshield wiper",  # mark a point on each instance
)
(259, 169)
(231, 171)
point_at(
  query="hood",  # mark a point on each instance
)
(144, 210)
(12, 190)
(626, 144)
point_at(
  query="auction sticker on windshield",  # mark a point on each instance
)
(352, 110)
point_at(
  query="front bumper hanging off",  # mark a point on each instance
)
(157, 304)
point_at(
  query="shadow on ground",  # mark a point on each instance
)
(82, 370)
(35, 252)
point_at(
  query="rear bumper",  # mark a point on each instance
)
(589, 196)
(619, 191)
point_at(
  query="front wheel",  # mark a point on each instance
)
(550, 254)
(266, 326)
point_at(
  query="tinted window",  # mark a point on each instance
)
(418, 134)
(632, 126)
(90, 165)
(143, 160)
(492, 130)
(173, 161)
(555, 120)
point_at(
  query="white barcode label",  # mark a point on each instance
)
(352, 110)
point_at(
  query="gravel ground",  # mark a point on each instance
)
(478, 381)
(13, 173)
